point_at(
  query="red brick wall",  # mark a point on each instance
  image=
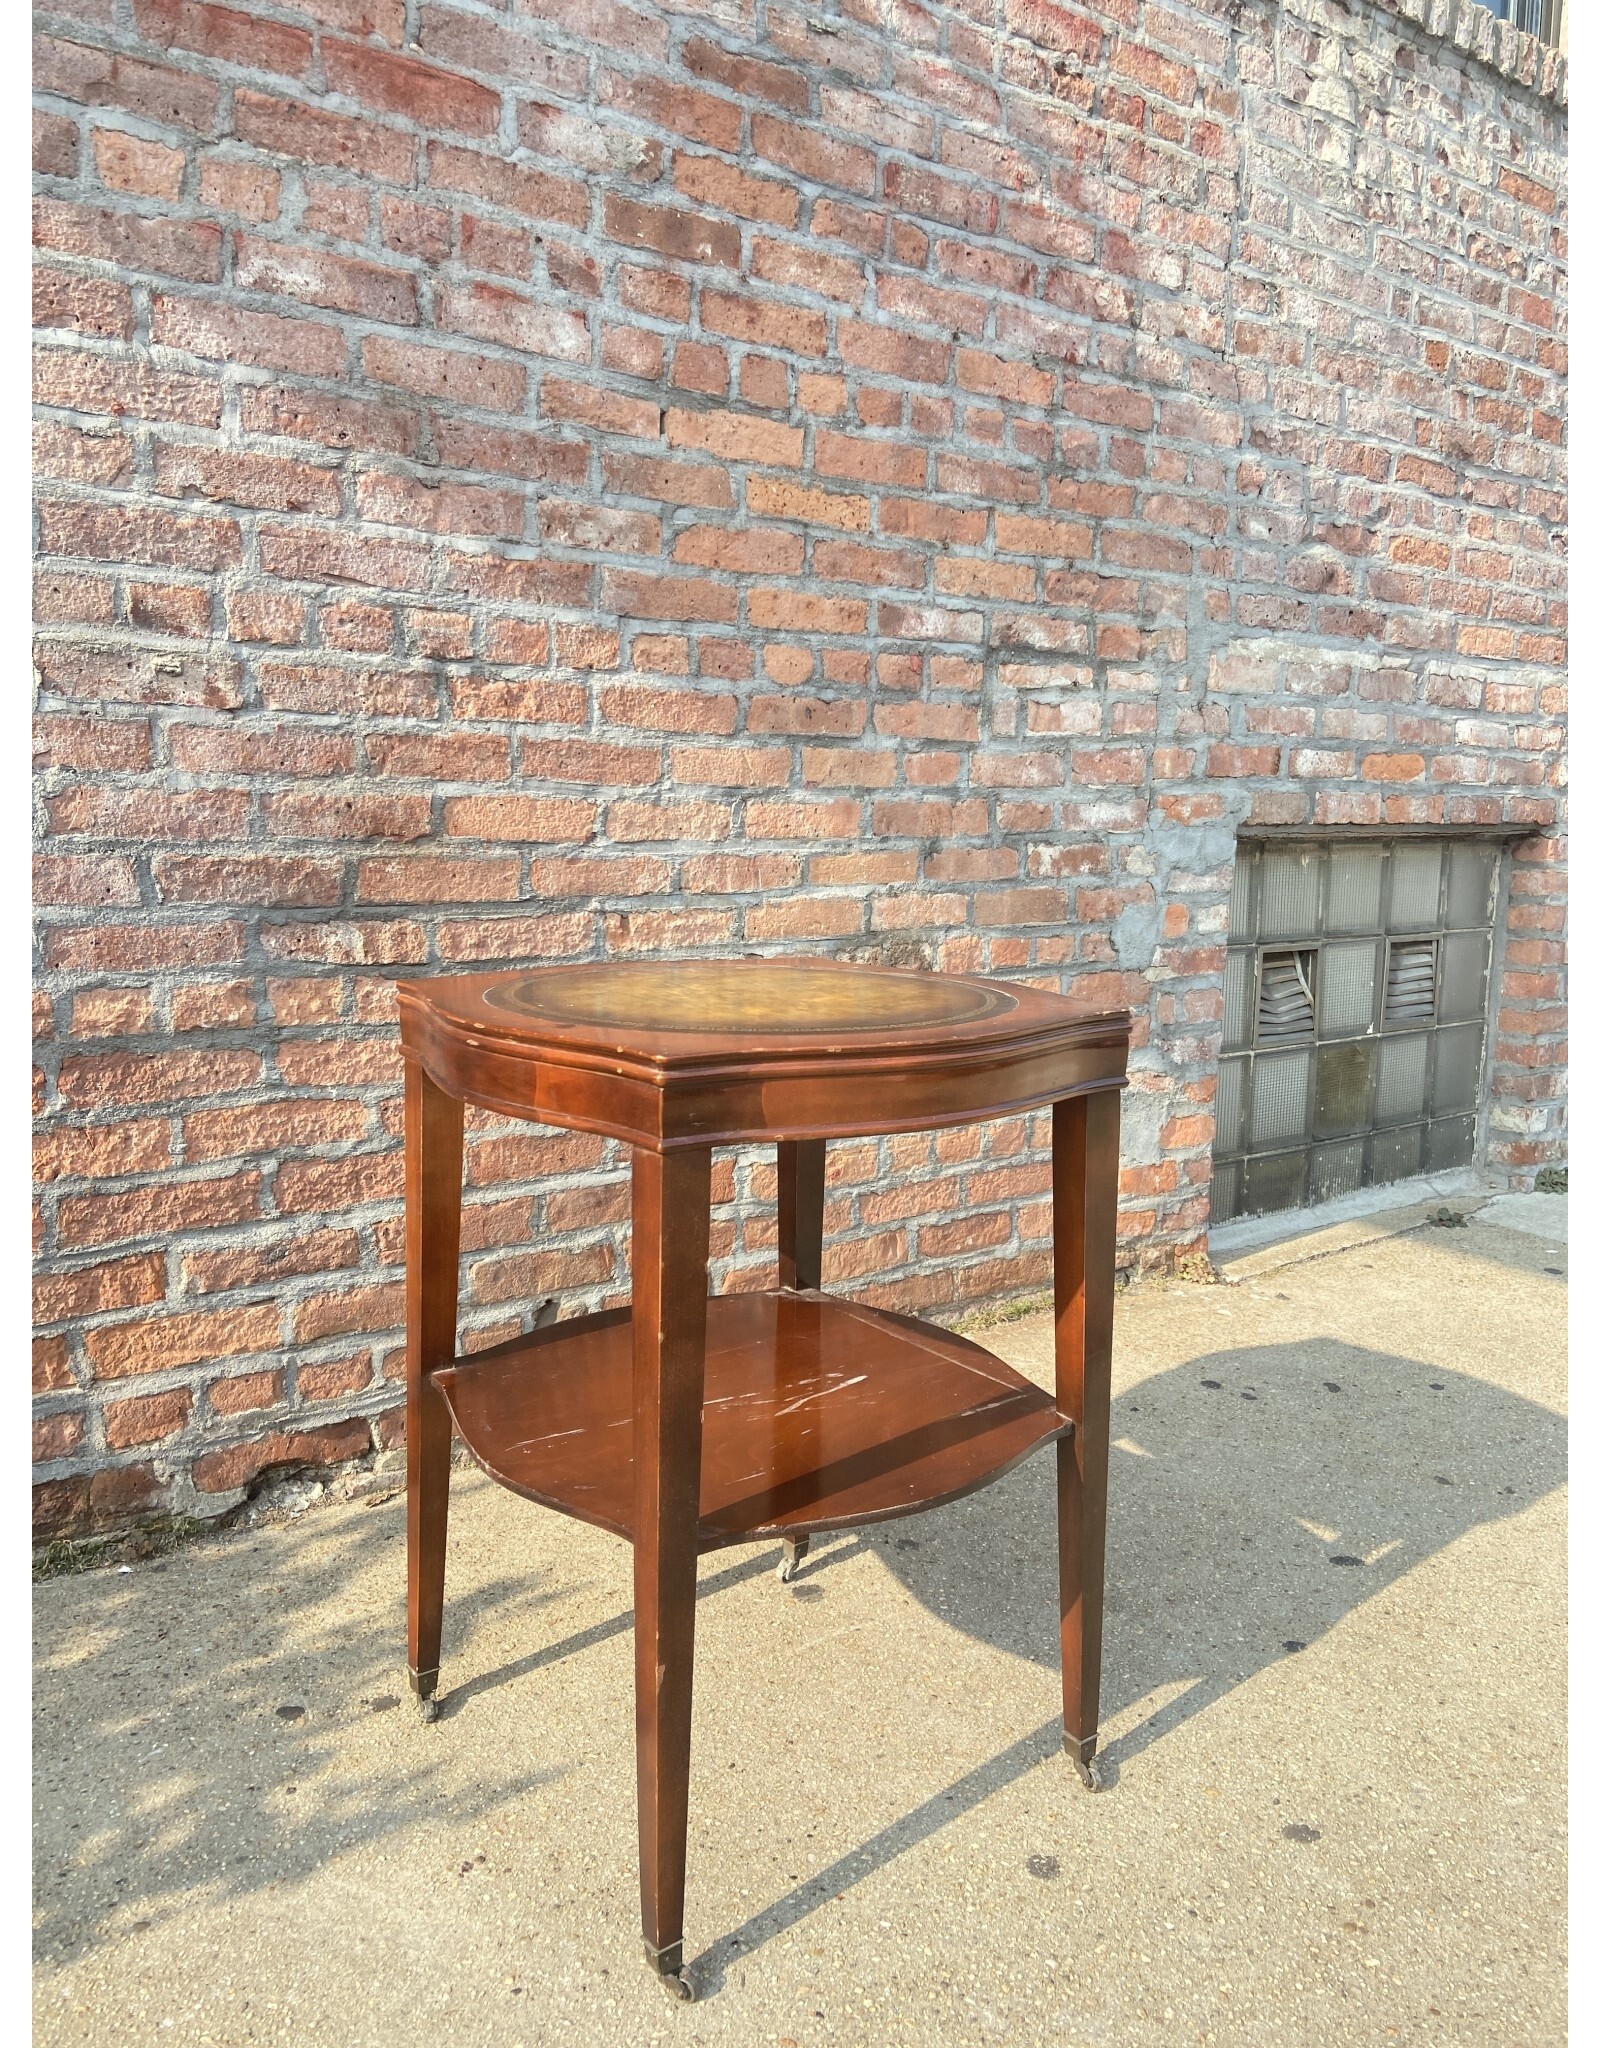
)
(529, 483)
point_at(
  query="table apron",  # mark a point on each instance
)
(752, 1108)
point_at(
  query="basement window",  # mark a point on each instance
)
(1355, 1003)
(1545, 19)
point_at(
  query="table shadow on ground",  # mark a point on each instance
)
(1257, 1497)
(185, 1817)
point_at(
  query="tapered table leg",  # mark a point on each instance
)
(433, 1248)
(802, 1172)
(671, 1228)
(1085, 1134)
(802, 1178)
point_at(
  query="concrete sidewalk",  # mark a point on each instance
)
(1335, 1665)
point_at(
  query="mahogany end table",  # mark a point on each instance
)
(682, 1423)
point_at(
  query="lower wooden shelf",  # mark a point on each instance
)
(819, 1414)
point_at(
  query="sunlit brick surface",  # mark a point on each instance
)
(574, 480)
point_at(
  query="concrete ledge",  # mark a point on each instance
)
(1265, 1244)
(1252, 1233)
(1472, 29)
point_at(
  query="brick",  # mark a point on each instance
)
(246, 878)
(339, 557)
(97, 77)
(469, 42)
(55, 146)
(700, 366)
(847, 768)
(332, 422)
(84, 880)
(667, 597)
(659, 710)
(134, 533)
(673, 231)
(807, 918)
(612, 412)
(915, 190)
(408, 86)
(433, 879)
(731, 767)
(668, 103)
(518, 188)
(71, 454)
(95, 743)
(799, 612)
(137, 675)
(491, 312)
(774, 498)
(769, 322)
(373, 291)
(813, 154)
(536, 701)
(93, 1290)
(334, 1378)
(747, 549)
(890, 352)
(632, 823)
(52, 1370)
(150, 814)
(316, 135)
(506, 451)
(749, 77)
(356, 1308)
(516, 938)
(334, 1443)
(101, 384)
(112, 1013)
(519, 819)
(808, 270)
(709, 181)
(129, 163)
(806, 715)
(57, 1436)
(966, 1234)
(240, 186)
(864, 228)
(149, 242)
(170, 608)
(885, 462)
(388, 499)
(241, 1392)
(166, 1343)
(228, 33)
(148, 1419)
(236, 479)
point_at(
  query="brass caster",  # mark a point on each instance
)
(794, 1551)
(428, 1708)
(667, 1963)
(424, 1684)
(1081, 1757)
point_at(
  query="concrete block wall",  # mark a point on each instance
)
(523, 483)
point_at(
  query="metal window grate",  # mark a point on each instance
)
(1286, 1008)
(1411, 990)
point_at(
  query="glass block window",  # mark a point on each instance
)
(1354, 1011)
